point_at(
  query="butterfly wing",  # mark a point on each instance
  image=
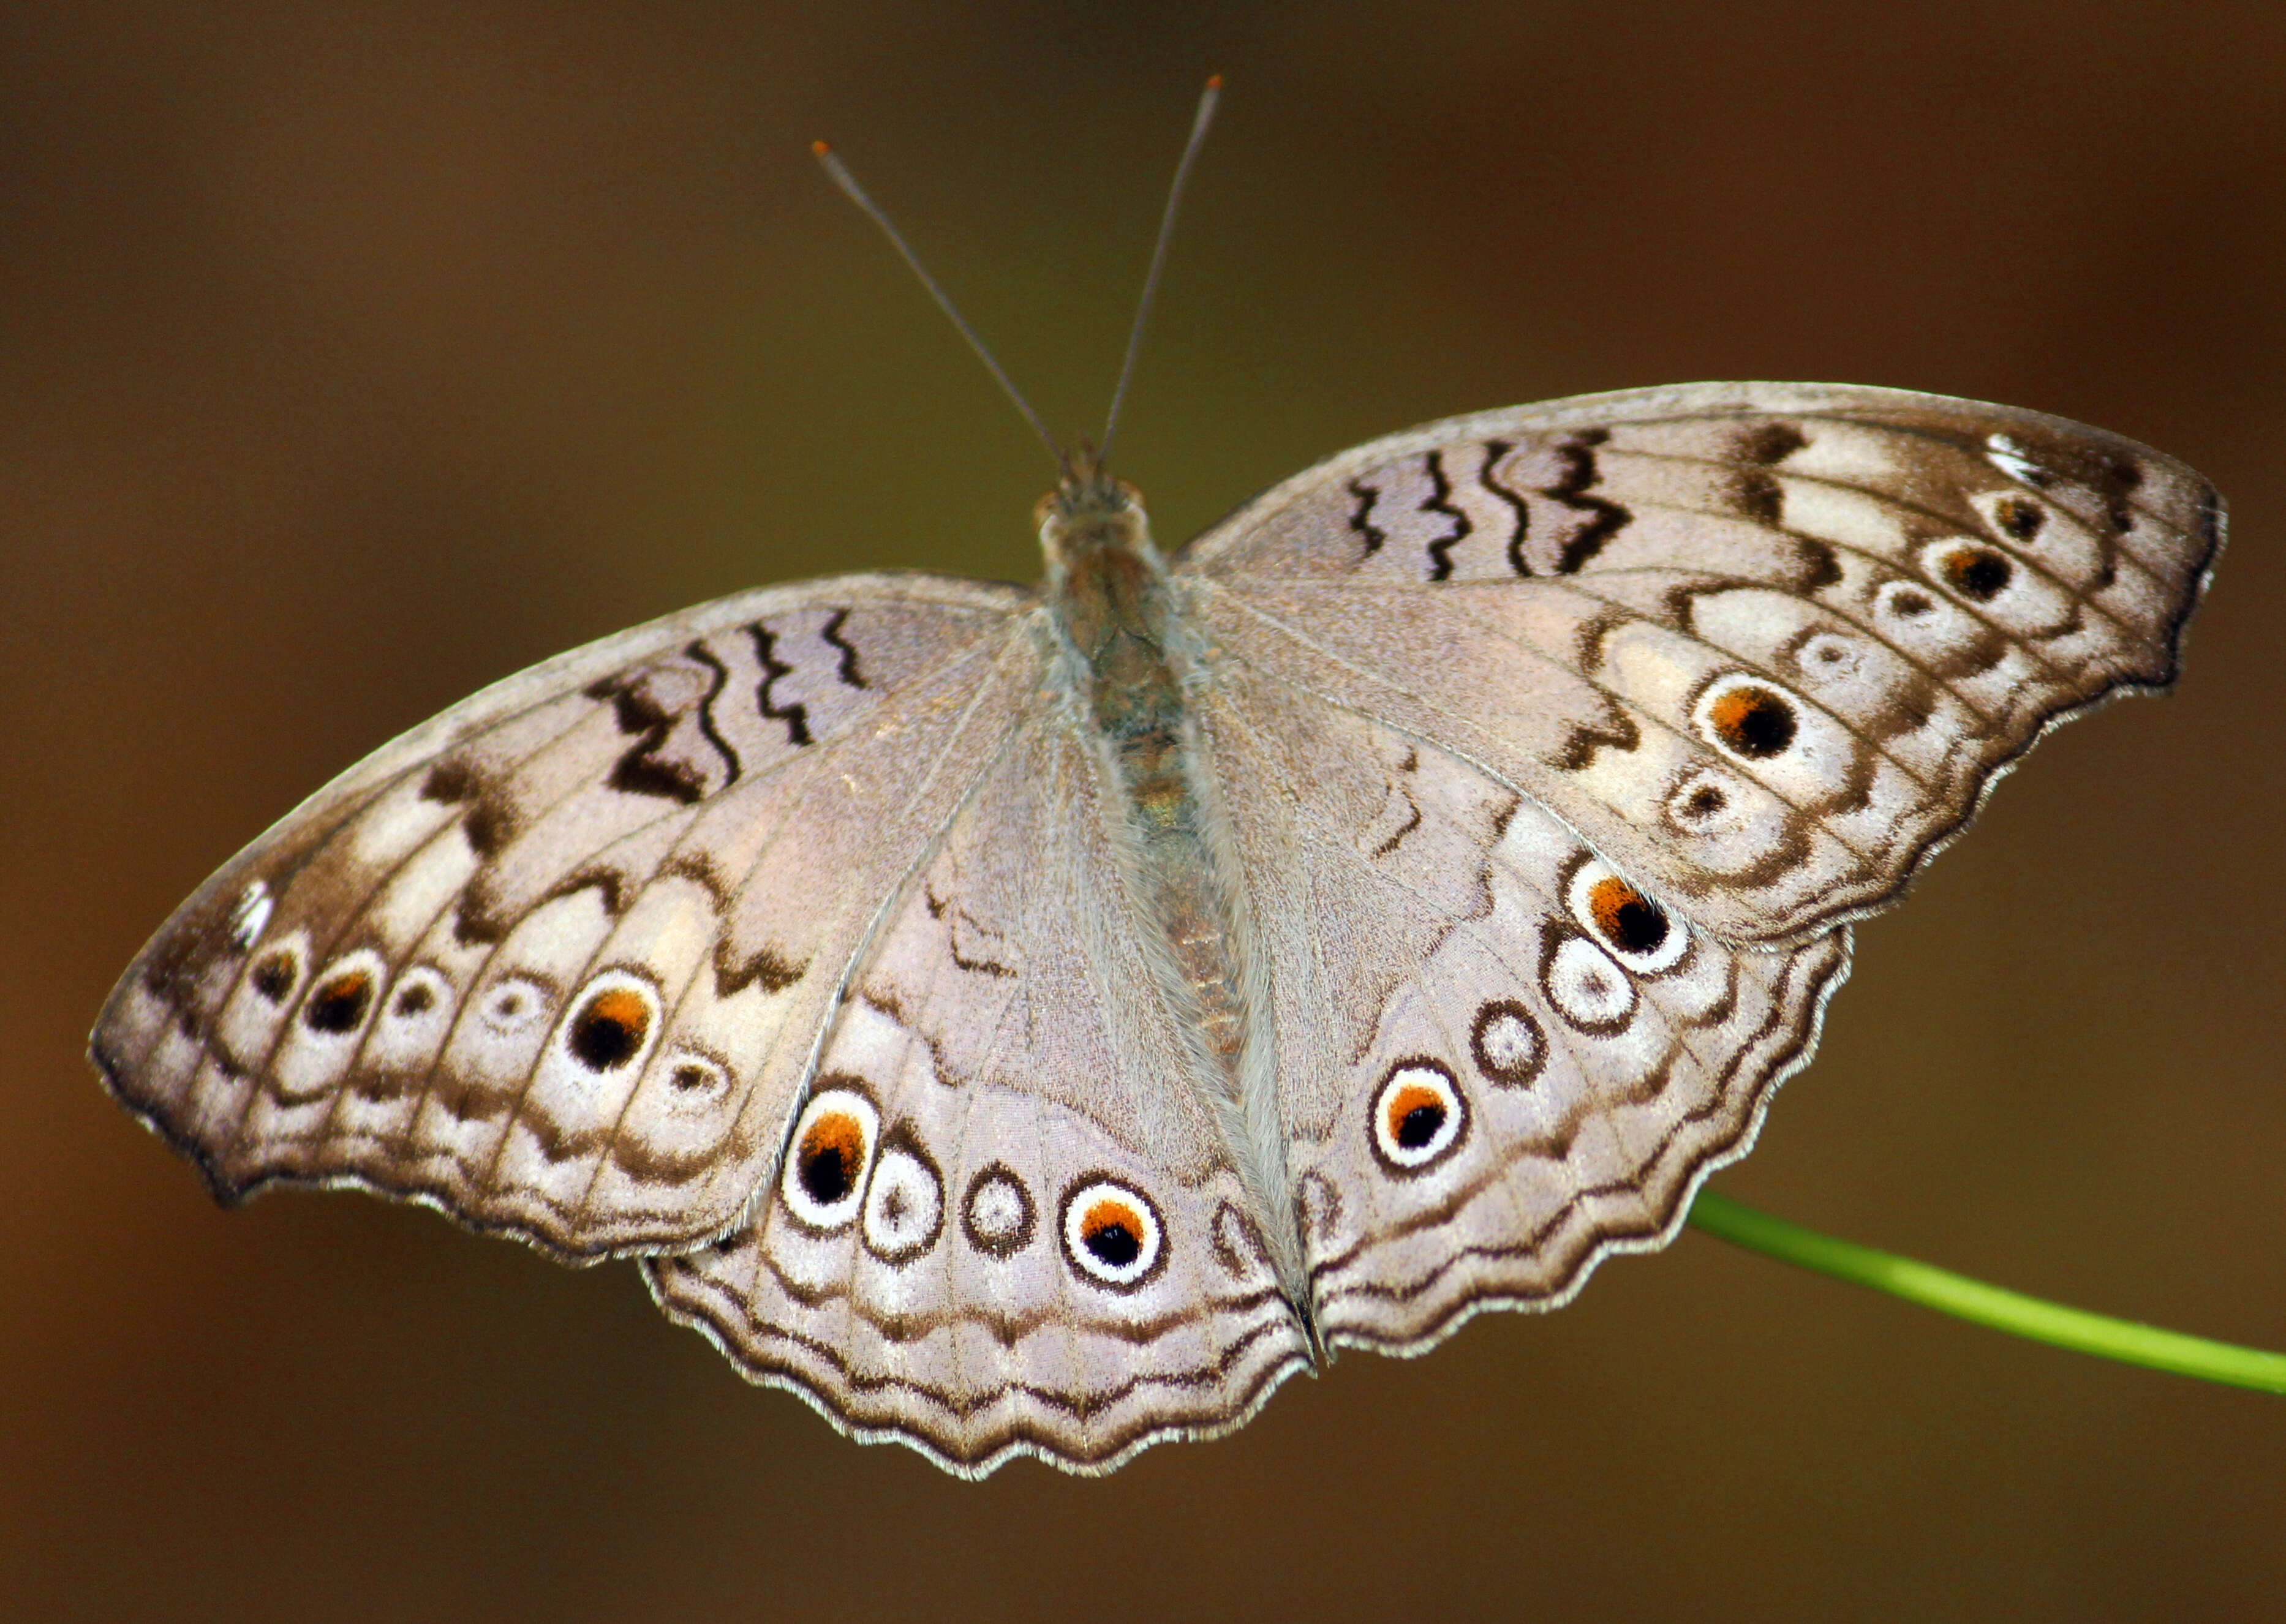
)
(1763, 646)
(1498, 1062)
(1002, 1226)
(556, 961)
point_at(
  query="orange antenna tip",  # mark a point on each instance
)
(1214, 82)
(819, 149)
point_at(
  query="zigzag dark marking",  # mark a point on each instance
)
(638, 772)
(831, 636)
(794, 716)
(1494, 449)
(700, 652)
(1440, 494)
(1371, 534)
(765, 967)
(1619, 733)
(1579, 475)
(938, 908)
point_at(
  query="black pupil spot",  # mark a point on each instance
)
(2022, 520)
(825, 1174)
(1706, 801)
(603, 1042)
(690, 1077)
(413, 999)
(273, 978)
(1638, 926)
(1114, 1245)
(339, 1005)
(1757, 722)
(1419, 1126)
(1980, 575)
(1910, 605)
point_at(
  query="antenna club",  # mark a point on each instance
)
(821, 149)
(1214, 82)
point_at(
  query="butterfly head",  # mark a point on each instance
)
(1090, 516)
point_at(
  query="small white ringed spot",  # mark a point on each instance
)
(904, 1202)
(996, 1215)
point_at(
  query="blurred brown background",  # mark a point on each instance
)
(351, 357)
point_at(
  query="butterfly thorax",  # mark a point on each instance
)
(1129, 661)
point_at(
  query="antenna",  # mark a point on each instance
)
(1208, 99)
(848, 182)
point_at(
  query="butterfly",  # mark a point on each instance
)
(1039, 1021)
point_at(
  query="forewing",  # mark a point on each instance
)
(1763, 646)
(556, 961)
(1499, 1062)
(939, 1260)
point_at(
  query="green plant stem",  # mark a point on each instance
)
(1990, 1306)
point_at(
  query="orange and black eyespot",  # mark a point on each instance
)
(1628, 920)
(610, 1029)
(1977, 573)
(1415, 1115)
(831, 1157)
(1418, 1115)
(1111, 1232)
(338, 1003)
(1753, 721)
(2019, 519)
(275, 974)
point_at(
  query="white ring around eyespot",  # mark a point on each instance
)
(575, 1006)
(1702, 717)
(820, 1214)
(1580, 895)
(513, 1004)
(1587, 987)
(1120, 1275)
(1436, 1080)
(901, 1178)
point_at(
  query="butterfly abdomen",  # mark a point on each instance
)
(1118, 627)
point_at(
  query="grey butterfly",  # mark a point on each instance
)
(1038, 1022)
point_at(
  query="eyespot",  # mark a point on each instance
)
(1902, 600)
(1705, 802)
(1111, 1233)
(613, 1023)
(694, 1081)
(1979, 573)
(1748, 719)
(276, 973)
(998, 1216)
(2018, 518)
(904, 1204)
(419, 990)
(248, 915)
(1418, 1116)
(1641, 934)
(825, 1168)
(1586, 986)
(1827, 656)
(1506, 1044)
(341, 998)
(511, 1006)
